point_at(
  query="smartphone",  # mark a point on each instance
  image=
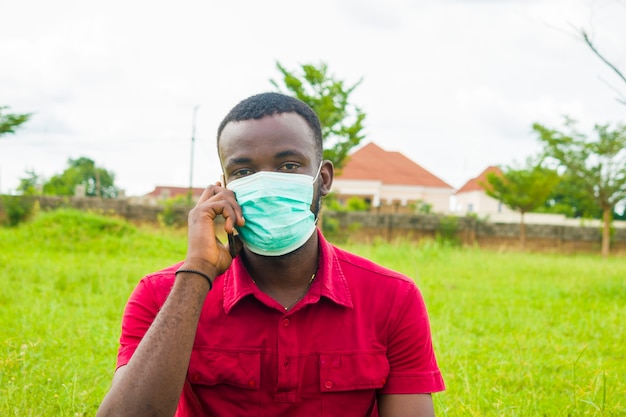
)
(231, 245)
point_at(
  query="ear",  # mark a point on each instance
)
(327, 173)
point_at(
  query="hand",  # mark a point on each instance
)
(205, 252)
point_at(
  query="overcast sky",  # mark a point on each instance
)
(454, 85)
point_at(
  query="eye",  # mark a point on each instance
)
(289, 166)
(241, 173)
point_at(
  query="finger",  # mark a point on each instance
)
(218, 200)
(232, 212)
(208, 192)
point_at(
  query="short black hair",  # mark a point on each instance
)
(267, 104)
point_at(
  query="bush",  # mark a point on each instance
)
(15, 209)
(448, 230)
(172, 209)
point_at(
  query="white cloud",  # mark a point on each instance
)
(453, 85)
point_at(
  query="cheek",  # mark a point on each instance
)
(317, 199)
(318, 192)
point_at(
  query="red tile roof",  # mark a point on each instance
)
(475, 183)
(158, 191)
(373, 163)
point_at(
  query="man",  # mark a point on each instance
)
(289, 326)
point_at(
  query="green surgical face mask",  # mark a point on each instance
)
(277, 209)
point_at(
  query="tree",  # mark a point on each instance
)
(522, 189)
(98, 182)
(31, 184)
(341, 121)
(9, 121)
(569, 198)
(597, 167)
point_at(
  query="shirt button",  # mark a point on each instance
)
(328, 384)
(286, 322)
(252, 383)
(196, 378)
(383, 380)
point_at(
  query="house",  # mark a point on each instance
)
(472, 198)
(162, 193)
(390, 182)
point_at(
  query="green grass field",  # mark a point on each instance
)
(515, 334)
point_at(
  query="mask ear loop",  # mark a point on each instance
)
(319, 169)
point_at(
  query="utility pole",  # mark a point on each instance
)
(193, 140)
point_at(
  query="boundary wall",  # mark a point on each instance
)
(366, 227)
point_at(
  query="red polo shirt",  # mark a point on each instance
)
(361, 330)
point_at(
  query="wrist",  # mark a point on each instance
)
(204, 267)
(195, 272)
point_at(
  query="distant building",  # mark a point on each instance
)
(163, 192)
(472, 198)
(390, 182)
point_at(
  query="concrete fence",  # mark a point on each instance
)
(365, 227)
(472, 231)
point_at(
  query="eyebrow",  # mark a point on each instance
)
(295, 153)
(239, 161)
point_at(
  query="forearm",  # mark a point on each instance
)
(406, 405)
(152, 382)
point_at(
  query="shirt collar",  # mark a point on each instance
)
(329, 282)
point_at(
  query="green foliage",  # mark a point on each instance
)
(478, 219)
(10, 121)
(31, 184)
(331, 226)
(522, 188)
(354, 203)
(421, 207)
(15, 209)
(448, 230)
(330, 202)
(168, 217)
(596, 167)
(98, 182)
(570, 199)
(341, 121)
(357, 204)
(79, 227)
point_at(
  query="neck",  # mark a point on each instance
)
(286, 272)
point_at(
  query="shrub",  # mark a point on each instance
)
(15, 209)
(448, 230)
(170, 216)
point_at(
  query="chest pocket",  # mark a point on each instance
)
(238, 369)
(350, 382)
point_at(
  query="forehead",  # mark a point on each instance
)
(268, 135)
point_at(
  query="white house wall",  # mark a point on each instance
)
(362, 188)
(480, 203)
(439, 198)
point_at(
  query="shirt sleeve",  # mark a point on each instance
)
(412, 362)
(139, 313)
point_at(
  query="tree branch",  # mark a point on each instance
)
(599, 55)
